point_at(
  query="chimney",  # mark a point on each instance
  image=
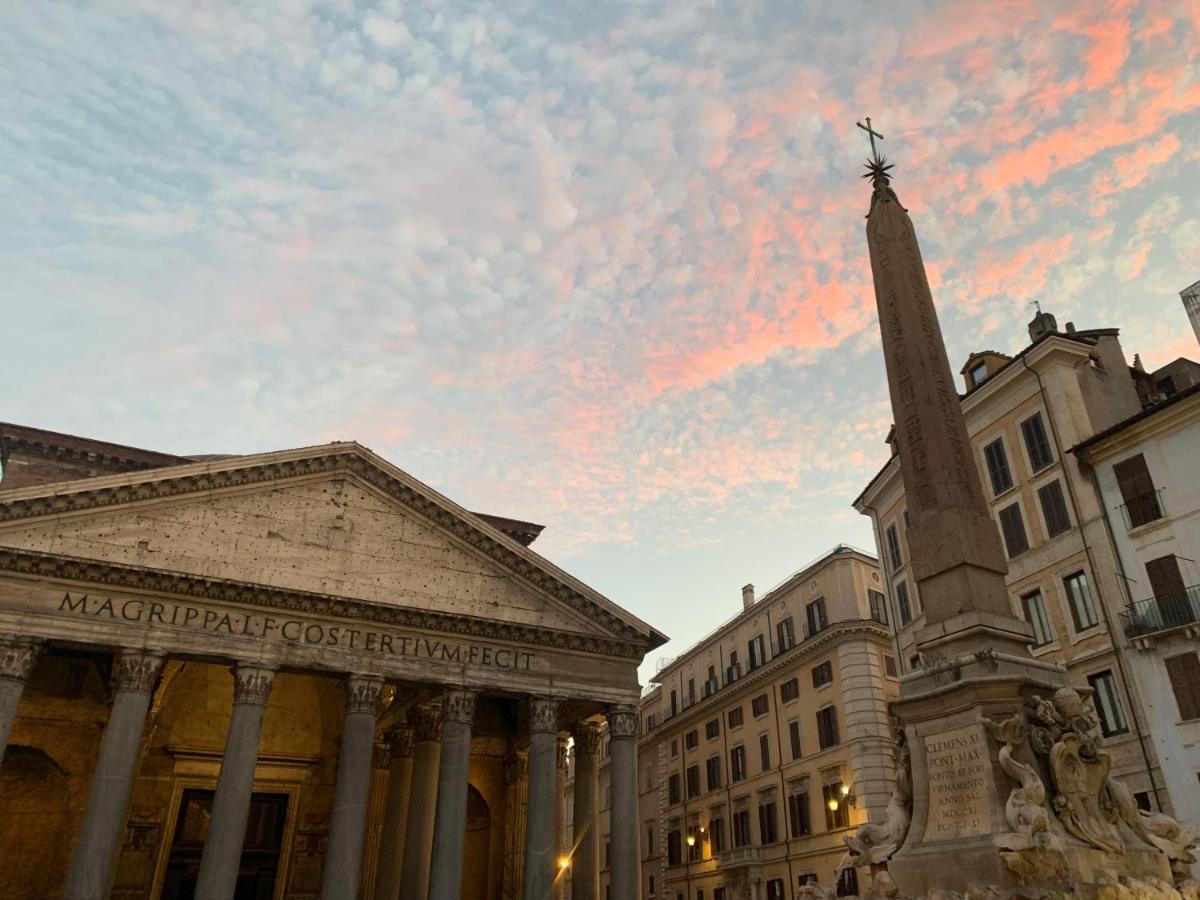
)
(1043, 323)
(1137, 362)
(1070, 328)
(747, 596)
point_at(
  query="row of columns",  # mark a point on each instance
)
(424, 825)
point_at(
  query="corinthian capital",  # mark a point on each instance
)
(543, 715)
(426, 722)
(362, 694)
(622, 721)
(587, 738)
(137, 670)
(252, 683)
(17, 656)
(400, 741)
(458, 706)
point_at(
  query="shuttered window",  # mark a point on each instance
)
(1034, 432)
(799, 816)
(1083, 610)
(827, 727)
(997, 466)
(1054, 508)
(794, 738)
(1184, 672)
(1035, 615)
(1137, 490)
(903, 603)
(1013, 527)
(1108, 704)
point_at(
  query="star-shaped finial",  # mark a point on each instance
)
(878, 168)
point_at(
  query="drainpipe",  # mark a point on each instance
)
(1117, 651)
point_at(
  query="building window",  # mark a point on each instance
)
(835, 818)
(734, 671)
(693, 782)
(1054, 508)
(1184, 672)
(760, 705)
(737, 763)
(799, 817)
(1108, 703)
(764, 751)
(649, 838)
(735, 717)
(1035, 615)
(691, 691)
(807, 878)
(712, 729)
(741, 828)
(822, 674)
(757, 655)
(716, 828)
(691, 740)
(650, 884)
(789, 690)
(847, 885)
(674, 748)
(673, 788)
(794, 738)
(827, 727)
(903, 603)
(785, 635)
(895, 557)
(719, 893)
(978, 374)
(997, 466)
(1137, 490)
(1036, 443)
(710, 683)
(889, 666)
(768, 827)
(1083, 610)
(712, 770)
(775, 889)
(878, 606)
(1013, 527)
(1170, 593)
(815, 612)
(674, 702)
(674, 849)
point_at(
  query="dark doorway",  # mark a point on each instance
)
(260, 853)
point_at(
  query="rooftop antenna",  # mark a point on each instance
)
(1036, 305)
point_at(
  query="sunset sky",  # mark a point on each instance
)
(600, 265)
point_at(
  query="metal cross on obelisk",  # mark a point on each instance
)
(872, 133)
(878, 168)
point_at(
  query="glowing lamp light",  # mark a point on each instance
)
(845, 790)
(691, 839)
(564, 862)
(833, 804)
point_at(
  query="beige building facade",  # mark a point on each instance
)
(291, 675)
(1024, 413)
(768, 742)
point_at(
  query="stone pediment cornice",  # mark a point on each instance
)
(346, 460)
(95, 573)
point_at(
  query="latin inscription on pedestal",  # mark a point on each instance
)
(958, 782)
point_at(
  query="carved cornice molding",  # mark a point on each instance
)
(426, 722)
(587, 736)
(543, 715)
(134, 670)
(362, 694)
(344, 463)
(400, 742)
(117, 576)
(17, 656)
(458, 706)
(252, 683)
(622, 722)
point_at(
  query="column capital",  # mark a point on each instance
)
(362, 694)
(561, 755)
(587, 737)
(458, 706)
(622, 721)
(543, 715)
(137, 670)
(400, 741)
(426, 722)
(252, 683)
(17, 656)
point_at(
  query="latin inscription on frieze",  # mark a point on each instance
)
(958, 784)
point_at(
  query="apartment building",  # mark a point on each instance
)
(1147, 471)
(768, 742)
(1024, 412)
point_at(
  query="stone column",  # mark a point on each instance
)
(516, 780)
(450, 825)
(585, 861)
(560, 815)
(222, 855)
(426, 722)
(343, 858)
(135, 675)
(395, 812)
(541, 845)
(17, 656)
(623, 836)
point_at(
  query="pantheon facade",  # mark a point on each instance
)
(300, 674)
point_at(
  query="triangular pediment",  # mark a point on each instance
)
(335, 520)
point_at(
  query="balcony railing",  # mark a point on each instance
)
(739, 856)
(1162, 613)
(1143, 509)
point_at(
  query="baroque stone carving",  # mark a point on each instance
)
(622, 722)
(362, 694)
(252, 683)
(543, 715)
(135, 670)
(458, 706)
(400, 741)
(17, 656)
(873, 844)
(1025, 810)
(426, 722)
(587, 737)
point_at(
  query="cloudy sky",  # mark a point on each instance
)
(596, 264)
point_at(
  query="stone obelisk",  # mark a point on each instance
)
(974, 650)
